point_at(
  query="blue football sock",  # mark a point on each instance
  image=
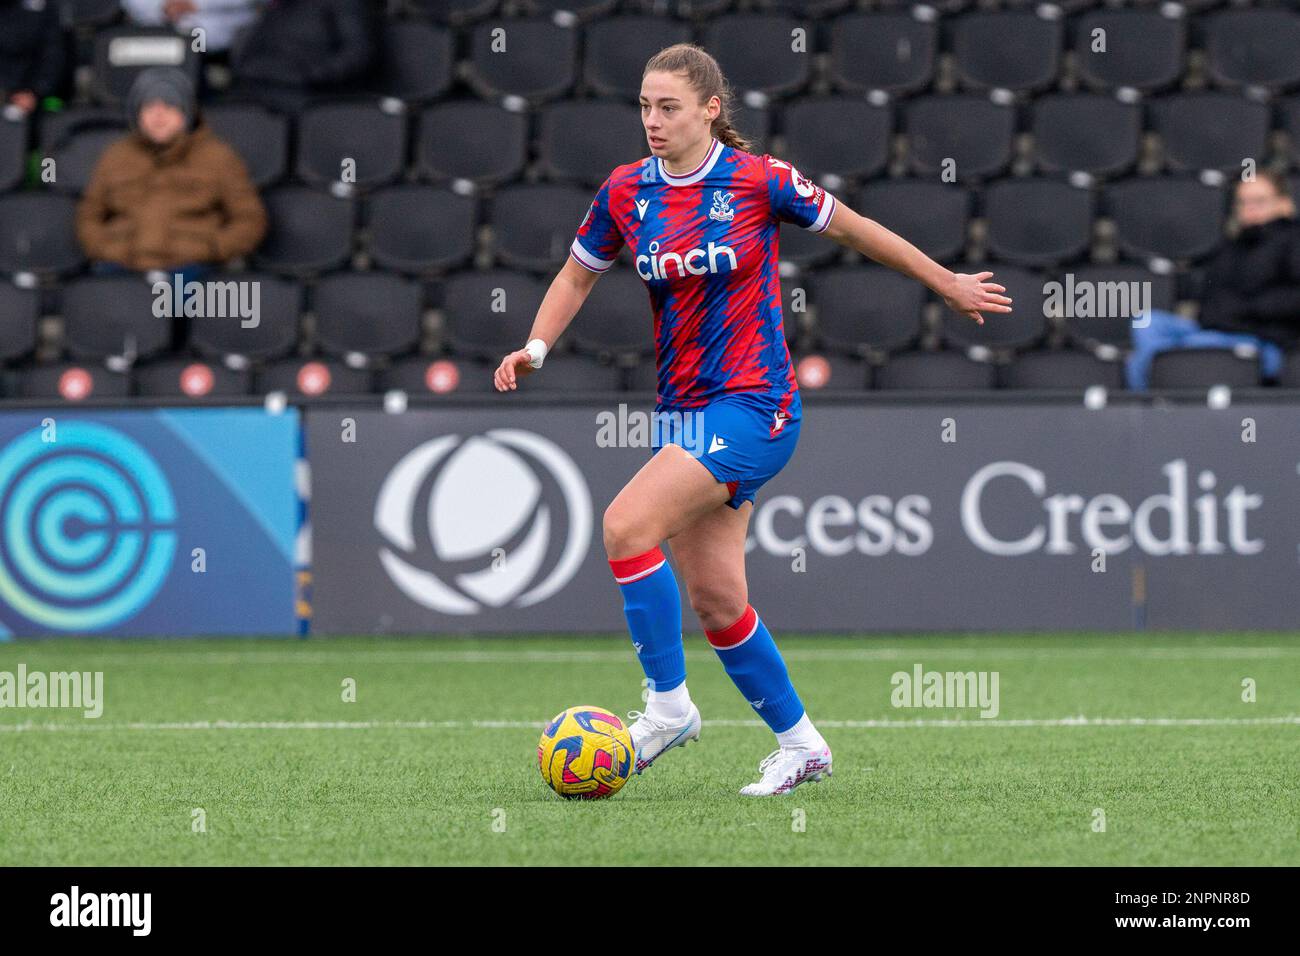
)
(753, 663)
(653, 607)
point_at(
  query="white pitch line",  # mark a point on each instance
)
(350, 658)
(919, 723)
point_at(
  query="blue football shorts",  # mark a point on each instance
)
(743, 438)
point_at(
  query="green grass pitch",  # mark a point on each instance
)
(435, 761)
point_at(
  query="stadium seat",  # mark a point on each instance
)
(371, 313)
(1211, 130)
(617, 48)
(1113, 293)
(892, 51)
(90, 13)
(471, 140)
(1174, 217)
(934, 370)
(1290, 377)
(754, 52)
(123, 53)
(260, 137)
(13, 150)
(842, 136)
(1289, 110)
(423, 375)
(112, 315)
(366, 139)
(455, 12)
(38, 233)
(1064, 368)
(1255, 47)
(616, 319)
(574, 373)
(534, 224)
(19, 310)
(306, 379)
(181, 378)
(489, 313)
(806, 249)
(56, 128)
(419, 229)
(584, 140)
(1090, 132)
(1203, 368)
(831, 373)
(973, 131)
(540, 64)
(867, 307)
(72, 382)
(276, 332)
(642, 377)
(415, 60)
(309, 230)
(755, 124)
(1017, 50)
(1145, 47)
(1022, 328)
(1037, 221)
(933, 216)
(77, 155)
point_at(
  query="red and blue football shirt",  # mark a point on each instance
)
(705, 244)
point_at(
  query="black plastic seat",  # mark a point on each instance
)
(77, 156)
(112, 315)
(539, 63)
(90, 13)
(935, 370)
(617, 48)
(1210, 130)
(1037, 221)
(72, 382)
(275, 332)
(371, 313)
(616, 319)
(574, 373)
(1100, 303)
(1017, 50)
(831, 372)
(19, 310)
(534, 224)
(471, 140)
(260, 137)
(582, 140)
(933, 216)
(1022, 328)
(1203, 368)
(892, 51)
(181, 378)
(422, 375)
(1173, 217)
(1090, 132)
(415, 61)
(753, 50)
(309, 230)
(1145, 47)
(307, 379)
(1289, 109)
(1256, 47)
(38, 233)
(369, 137)
(1061, 369)
(867, 307)
(1290, 377)
(972, 131)
(454, 12)
(489, 313)
(420, 229)
(13, 151)
(123, 53)
(842, 136)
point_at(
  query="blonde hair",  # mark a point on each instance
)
(704, 76)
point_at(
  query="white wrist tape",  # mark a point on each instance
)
(536, 350)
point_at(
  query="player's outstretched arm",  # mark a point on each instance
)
(964, 293)
(563, 299)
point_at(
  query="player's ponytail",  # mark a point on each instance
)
(705, 77)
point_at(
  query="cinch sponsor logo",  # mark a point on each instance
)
(102, 909)
(658, 266)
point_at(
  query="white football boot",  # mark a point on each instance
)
(785, 769)
(651, 736)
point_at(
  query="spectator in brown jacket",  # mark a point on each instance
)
(170, 195)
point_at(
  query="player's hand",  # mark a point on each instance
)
(971, 294)
(511, 368)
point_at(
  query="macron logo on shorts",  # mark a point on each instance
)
(717, 444)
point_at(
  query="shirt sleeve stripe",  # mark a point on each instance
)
(823, 217)
(587, 260)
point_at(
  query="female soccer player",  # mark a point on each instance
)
(702, 214)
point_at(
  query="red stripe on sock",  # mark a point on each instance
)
(630, 567)
(733, 634)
